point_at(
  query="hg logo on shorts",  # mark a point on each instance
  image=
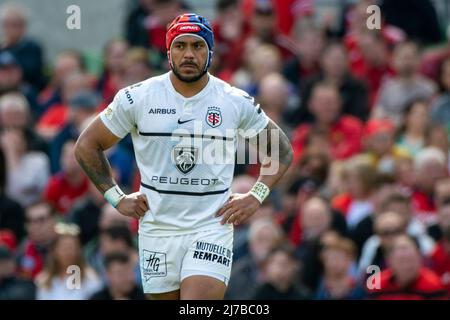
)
(154, 264)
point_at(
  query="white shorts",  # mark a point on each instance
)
(166, 261)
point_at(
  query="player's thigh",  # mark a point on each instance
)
(206, 267)
(173, 295)
(202, 288)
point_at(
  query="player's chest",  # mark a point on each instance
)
(190, 117)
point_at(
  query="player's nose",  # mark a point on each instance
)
(189, 53)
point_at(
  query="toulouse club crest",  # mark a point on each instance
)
(214, 117)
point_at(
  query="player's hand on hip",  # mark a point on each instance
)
(238, 208)
(134, 205)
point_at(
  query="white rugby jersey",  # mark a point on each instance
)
(175, 139)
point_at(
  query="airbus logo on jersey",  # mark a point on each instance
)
(214, 117)
(162, 111)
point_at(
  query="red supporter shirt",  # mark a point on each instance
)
(440, 263)
(54, 118)
(374, 77)
(230, 51)
(431, 62)
(424, 207)
(342, 202)
(110, 87)
(61, 194)
(31, 262)
(344, 138)
(426, 286)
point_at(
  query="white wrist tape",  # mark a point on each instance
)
(114, 195)
(260, 191)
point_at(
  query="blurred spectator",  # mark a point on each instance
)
(287, 11)
(338, 256)
(404, 173)
(28, 171)
(378, 140)
(246, 274)
(401, 204)
(280, 269)
(11, 286)
(314, 165)
(308, 190)
(335, 71)
(241, 246)
(116, 237)
(82, 106)
(231, 29)
(360, 178)
(374, 65)
(442, 192)
(11, 80)
(121, 282)
(438, 136)
(265, 59)
(419, 21)
(69, 185)
(310, 42)
(135, 31)
(316, 220)
(56, 116)
(382, 189)
(15, 113)
(40, 226)
(343, 132)
(355, 28)
(241, 184)
(86, 214)
(111, 80)
(440, 258)
(263, 23)
(14, 20)
(65, 63)
(66, 276)
(12, 217)
(137, 66)
(273, 96)
(407, 278)
(440, 109)
(413, 132)
(408, 85)
(430, 166)
(111, 217)
(164, 11)
(387, 226)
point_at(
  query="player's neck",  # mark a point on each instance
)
(189, 89)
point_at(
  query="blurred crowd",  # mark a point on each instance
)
(363, 212)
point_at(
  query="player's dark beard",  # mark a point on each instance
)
(188, 79)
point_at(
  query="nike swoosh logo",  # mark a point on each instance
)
(181, 122)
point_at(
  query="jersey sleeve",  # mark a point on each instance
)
(252, 118)
(118, 116)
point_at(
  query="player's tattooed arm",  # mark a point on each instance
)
(281, 143)
(276, 153)
(89, 152)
